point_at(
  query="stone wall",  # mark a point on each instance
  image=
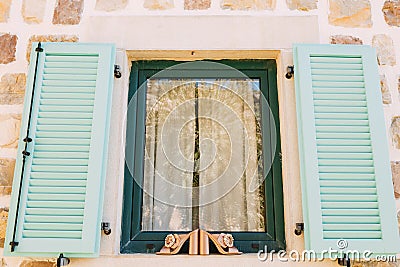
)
(370, 22)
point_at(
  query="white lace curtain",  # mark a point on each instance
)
(227, 116)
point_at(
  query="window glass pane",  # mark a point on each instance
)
(203, 153)
(169, 148)
(231, 156)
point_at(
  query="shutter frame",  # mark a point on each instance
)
(309, 164)
(88, 244)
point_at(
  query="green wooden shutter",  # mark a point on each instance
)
(62, 190)
(344, 158)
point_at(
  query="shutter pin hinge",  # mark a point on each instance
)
(117, 71)
(13, 244)
(27, 140)
(290, 72)
(39, 48)
(25, 153)
(299, 228)
(106, 228)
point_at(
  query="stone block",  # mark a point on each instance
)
(391, 12)
(158, 4)
(7, 166)
(10, 127)
(248, 4)
(33, 11)
(345, 39)
(197, 4)
(350, 14)
(386, 96)
(110, 5)
(12, 88)
(5, 6)
(303, 5)
(68, 12)
(385, 49)
(8, 45)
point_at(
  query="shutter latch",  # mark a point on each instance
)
(62, 261)
(299, 228)
(117, 71)
(150, 248)
(290, 72)
(106, 228)
(345, 261)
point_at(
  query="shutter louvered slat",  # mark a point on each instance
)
(72, 58)
(333, 59)
(347, 190)
(57, 183)
(347, 198)
(85, 95)
(75, 71)
(54, 212)
(66, 108)
(337, 67)
(346, 110)
(344, 214)
(62, 204)
(53, 226)
(360, 235)
(342, 97)
(358, 220)
(73, 83)
(67, 77)
(339, 147)
(64, 176)
(335, 103)
(343, 91)
(70, 104)
(76, 128)
(53, 218)
(53, 234)
(70, 145)
(71, 65)
(331, 77)
(74, 197)
(48, 189)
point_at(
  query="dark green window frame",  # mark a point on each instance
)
(133, 239)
